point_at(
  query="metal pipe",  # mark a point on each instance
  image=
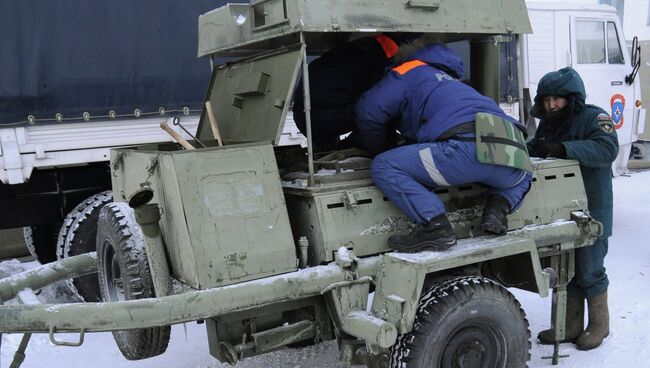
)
(370, 328)
(303, 252)
(147, 216)
(520, 77)
(39, 277)
(307, 102)
(19, 355)
(562, 232)
(185, 307)
(484, 67)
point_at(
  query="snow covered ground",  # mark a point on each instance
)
(628, 345)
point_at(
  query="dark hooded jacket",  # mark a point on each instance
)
(587, 134)
(426, 94)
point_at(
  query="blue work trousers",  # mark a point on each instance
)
(590, 276)
(407, 174)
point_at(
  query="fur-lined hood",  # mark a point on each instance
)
(566, 83)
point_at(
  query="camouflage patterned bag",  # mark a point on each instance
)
(500, 142)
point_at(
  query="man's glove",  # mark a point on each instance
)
(551, 150)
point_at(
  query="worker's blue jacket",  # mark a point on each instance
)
(426, 94)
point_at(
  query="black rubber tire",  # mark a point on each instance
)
(124, 275)
(78, 235)
(41, 242)
(465, 322)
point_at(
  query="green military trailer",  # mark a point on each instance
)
(280, 246)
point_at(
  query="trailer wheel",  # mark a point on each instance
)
(124, 275)
(78, 235)
(465, 322)
(41, 242)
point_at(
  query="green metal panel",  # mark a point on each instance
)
(329, 221)
(146, 166)
(264, 25)
(557, 190)
(235, 212)
(223, 217)
(332, 215)
(174, 226)
(251, 97)
(133, 169)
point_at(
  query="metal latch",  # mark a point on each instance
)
(423, 4)
(349, 199)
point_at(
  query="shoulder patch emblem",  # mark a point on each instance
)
(604, 117)
(606, 124)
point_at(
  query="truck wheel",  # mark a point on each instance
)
(124, 275)
(41, 242)
(465, 322)
(78, 235)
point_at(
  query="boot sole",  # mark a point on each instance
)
(583, 348)
(423, 246)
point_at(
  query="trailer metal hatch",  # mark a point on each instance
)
(251, 96)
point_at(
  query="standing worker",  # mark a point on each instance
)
(336, 80)
(571, 129)
(442, 115)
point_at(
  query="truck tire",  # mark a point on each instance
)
(41, 242)
(78, 235)
(465, 322)
(124, 275)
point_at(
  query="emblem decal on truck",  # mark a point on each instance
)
(617, 102)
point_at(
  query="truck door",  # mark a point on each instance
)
(597, 54)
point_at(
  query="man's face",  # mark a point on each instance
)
(554, 103)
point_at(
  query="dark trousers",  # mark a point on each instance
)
(590, 278)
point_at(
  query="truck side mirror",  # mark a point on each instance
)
(635, 61)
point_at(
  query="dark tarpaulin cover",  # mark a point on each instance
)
(75, 56)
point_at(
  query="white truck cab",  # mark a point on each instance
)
(588, 38)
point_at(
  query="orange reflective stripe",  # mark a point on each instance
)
(389, 46)
(407, 66)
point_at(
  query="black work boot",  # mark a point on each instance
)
(574, 322)
(495, 215)
(436, 235)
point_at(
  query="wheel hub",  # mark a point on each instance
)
(113, 273)
(476, 346)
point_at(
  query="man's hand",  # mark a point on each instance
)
(551, 150)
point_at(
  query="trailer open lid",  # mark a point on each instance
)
(250, 97)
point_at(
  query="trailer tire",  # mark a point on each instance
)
(78, 235)
(465, 322)
(41, 242)
(124, 275)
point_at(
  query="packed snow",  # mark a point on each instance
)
(628, 344)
